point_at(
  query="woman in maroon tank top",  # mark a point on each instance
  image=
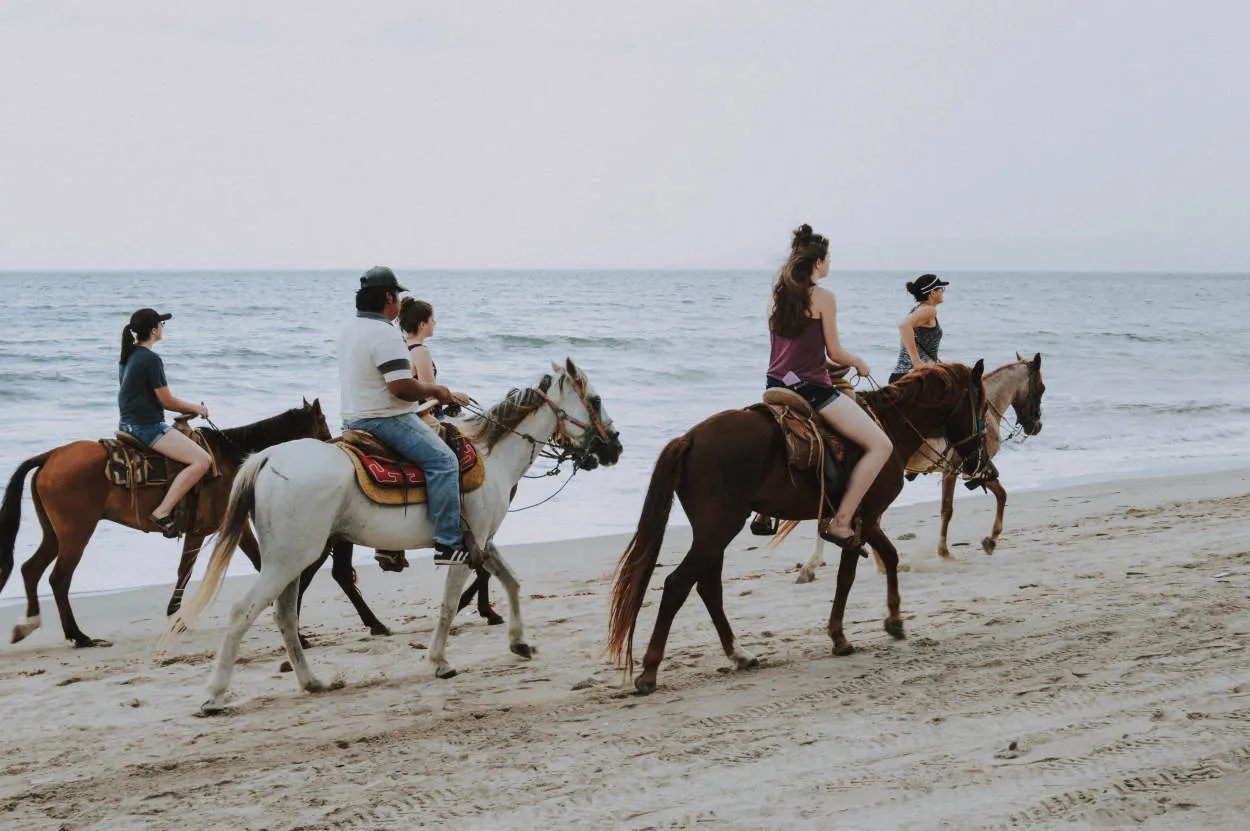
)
(803, 328)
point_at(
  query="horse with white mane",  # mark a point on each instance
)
(301, 493)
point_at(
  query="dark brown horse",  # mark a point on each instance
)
(734, 463)
(72, 494)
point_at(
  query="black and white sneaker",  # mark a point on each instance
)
(448, 555)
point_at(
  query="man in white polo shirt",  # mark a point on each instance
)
(379, 394)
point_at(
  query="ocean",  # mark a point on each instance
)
(1141, 369)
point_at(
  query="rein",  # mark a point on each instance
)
(942, 460)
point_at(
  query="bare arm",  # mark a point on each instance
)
(824, 305)
(422, 365)
(169, 402)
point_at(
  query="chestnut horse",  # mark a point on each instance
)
(72, 494)
(734, 463)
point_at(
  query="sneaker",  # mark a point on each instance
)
(450, 555)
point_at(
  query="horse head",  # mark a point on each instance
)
(1028, 402)
(320, 429)
(965, 429)
(584, 430)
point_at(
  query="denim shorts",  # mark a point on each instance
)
(149, 434)
(818, 395)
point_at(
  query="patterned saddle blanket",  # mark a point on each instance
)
(387, 480)
(804, 431)
(132, 464)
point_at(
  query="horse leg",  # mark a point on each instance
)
(677, 588)
(190, 552)
(888, 556)
(710, 587)
(345, 575)
(808, 572)
(286, 615)
(480, 588)
(948, 509)
(32, 570)
(1000, 493)
(497, 565)
(242, 615)
(457, 575)
(71, 548)
(846, 579)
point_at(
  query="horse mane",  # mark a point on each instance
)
(1012, 365)
(930, 385)
(239, 442)
(487, 429)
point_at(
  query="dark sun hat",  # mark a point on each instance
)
(929, 283)
(146, 319)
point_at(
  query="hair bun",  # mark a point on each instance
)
(802, 235)
(911, 287)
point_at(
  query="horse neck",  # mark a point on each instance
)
(512, 455)
(1003, 388)
(908, 426)
(253, 438)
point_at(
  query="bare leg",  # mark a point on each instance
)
(948, 509)
(181, 449)
(1000, 493)
(845, 416)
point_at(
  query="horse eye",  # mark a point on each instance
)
(595, 401)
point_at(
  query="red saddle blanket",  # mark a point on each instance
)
(396, 474)
(387, 480)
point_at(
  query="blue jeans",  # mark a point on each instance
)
(413, 439)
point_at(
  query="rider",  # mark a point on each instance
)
(143, 398)
(378, 393)
(416, 321)
(802, 322)
(920, 331)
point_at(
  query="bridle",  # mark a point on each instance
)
(1033, 400)
(943, 461)
(563, 418)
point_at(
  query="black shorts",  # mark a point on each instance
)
(818, 395)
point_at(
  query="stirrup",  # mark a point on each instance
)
(390, 560)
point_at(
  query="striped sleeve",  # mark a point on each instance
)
(390, 355)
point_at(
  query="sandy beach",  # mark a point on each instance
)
(1092, 673)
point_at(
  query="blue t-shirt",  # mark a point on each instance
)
(141, 376)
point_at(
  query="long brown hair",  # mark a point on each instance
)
(412, 313)
(792, 293)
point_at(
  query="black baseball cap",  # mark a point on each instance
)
(146, 319)
(380, 277)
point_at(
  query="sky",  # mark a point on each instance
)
(922, 135)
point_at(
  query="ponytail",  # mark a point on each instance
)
(128, 344)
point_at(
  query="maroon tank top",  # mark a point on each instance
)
(803, 355)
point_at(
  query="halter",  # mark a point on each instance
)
(1030, 395)
(563, 418)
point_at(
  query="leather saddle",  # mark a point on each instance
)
(807, 436)
(131, 463)
(387, 479)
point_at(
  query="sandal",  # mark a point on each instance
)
(851, 543)
(168, 525)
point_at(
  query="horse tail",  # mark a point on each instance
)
(233, 525)
(633, 572)
(11, 512)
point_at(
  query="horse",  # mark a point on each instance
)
(72, 494)
(301, 493)
(734, 462)
(1017, 385)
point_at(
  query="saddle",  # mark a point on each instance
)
(387, 479)
(132, 464)
(807, 436)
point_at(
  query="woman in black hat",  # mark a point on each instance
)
(143, 399)
(920, 331)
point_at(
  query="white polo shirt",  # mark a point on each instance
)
(371, 353)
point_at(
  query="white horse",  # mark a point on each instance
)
(301, 493)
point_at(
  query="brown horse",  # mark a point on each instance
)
(734, 463)
(72, 494)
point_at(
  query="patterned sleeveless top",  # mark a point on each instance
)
(927, 342)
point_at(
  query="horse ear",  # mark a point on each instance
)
(1037, 361)
(977, 369)
(305, 403)
(1019, 357)
(559, 370)
(572, 370)
(316, 405)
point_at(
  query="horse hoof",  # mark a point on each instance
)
(443, 673)
(86, 643)
(805, 576)
(988, 545)
(304, 643)
(895, 628)
(844, 649)
(492, 619)
(212, 708)
(20, 633)
(380, 630)
(747, 662)
(315, 686)
(522, 649)
(644, 686)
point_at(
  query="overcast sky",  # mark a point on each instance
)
(916, 135)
